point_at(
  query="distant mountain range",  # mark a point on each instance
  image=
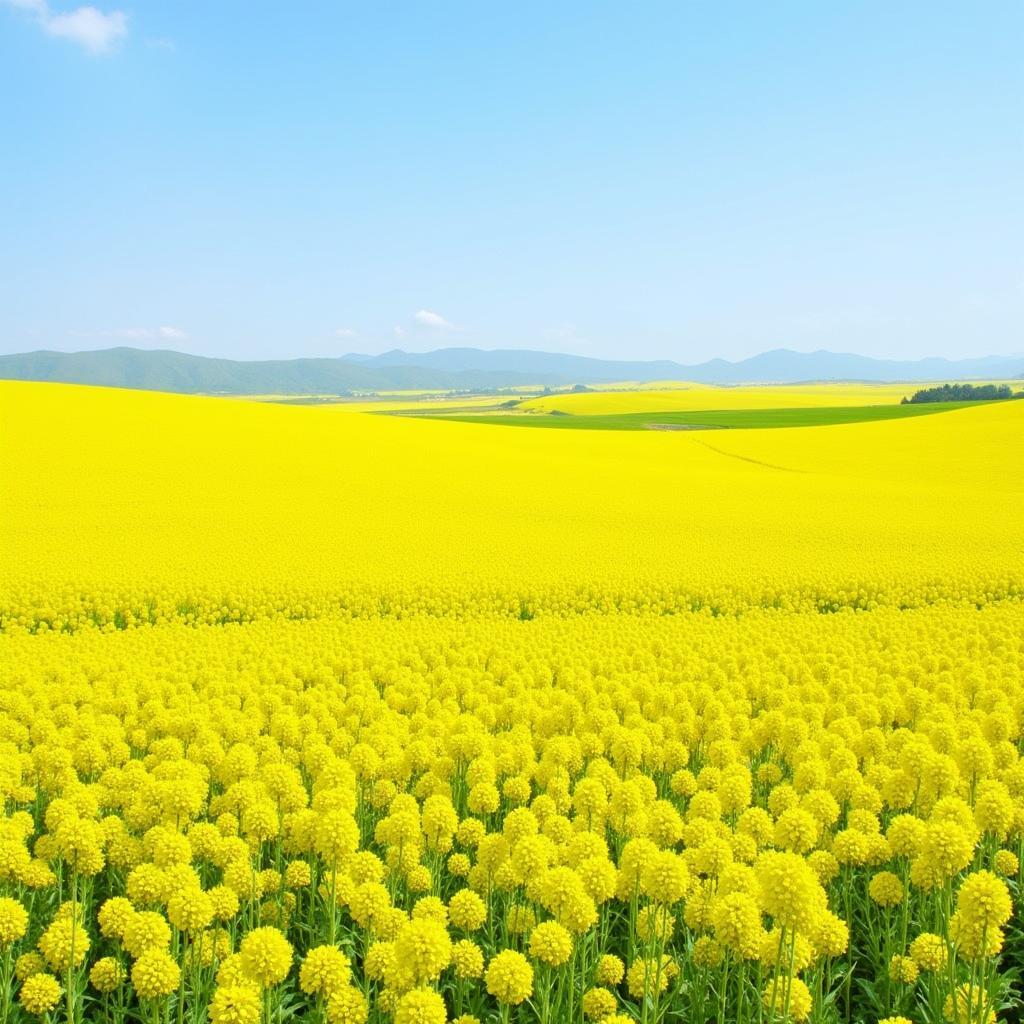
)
(466, 369)
(161, 370)
(780, 366)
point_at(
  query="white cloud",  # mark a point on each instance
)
(88, 26)
(428, 318)
(142, 334)
(399, 332)
(344, 332)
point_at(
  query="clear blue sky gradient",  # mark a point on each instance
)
(663, 180)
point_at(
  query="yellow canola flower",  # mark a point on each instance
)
(155, 975)
(550, 943)
(39, 993)
(144, 932)
(790, 892)
(106, 974)
(799, 1004)
(235, 1004)
(737, 923)
(347, 1006)
(64, 944)
(467, 910)
(324, 970)
(983, 901)
(509, 977)
(886, 889)
(647, 978)
(903, 969)
(423, 949)
(28, 964)
(598, 1003)
(190, 910)
(610, 969)
(421, 1006)
(13, 921)
(265, 956)
(468, 959)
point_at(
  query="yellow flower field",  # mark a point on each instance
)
(689, 397)
(401, 401)
(356, 718)
(124, 506)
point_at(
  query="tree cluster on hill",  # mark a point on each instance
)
(963, 393)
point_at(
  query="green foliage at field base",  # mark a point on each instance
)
(963, 393)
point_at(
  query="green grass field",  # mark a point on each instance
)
(710, 419)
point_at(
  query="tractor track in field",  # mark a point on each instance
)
(746, 458)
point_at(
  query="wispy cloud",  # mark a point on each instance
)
(400, 332)
(428, 318)
(344, 332)
(142, 334)
(94, 30)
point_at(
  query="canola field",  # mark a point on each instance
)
(348, 718)
(691, 397)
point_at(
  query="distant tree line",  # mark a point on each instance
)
(963, 393)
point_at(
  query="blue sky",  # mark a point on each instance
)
(678, 180)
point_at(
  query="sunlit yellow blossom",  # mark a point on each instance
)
(467, 910)
(235, 1004)
(468, 959)
(64, 943)
(155, 974)
(550, 943)
(929, 952)
(13, 921)
(509, 977)
(1005, 863)
(903, 969)
(649, 977)
(799, 1004)
(28, 964)
(106, 974)
(598, 1003)
(421, 1006)
(610, 970)
(423, 949)
(39, 993)
(324, 970)
(347, 1006)
(790, 890)
(886, 889)
(265, 956)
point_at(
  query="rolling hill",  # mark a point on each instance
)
(464, 369)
